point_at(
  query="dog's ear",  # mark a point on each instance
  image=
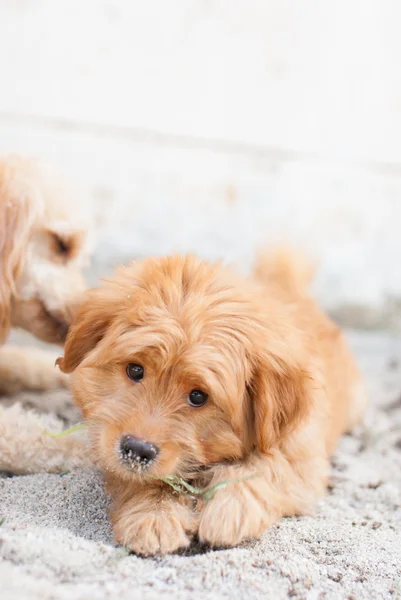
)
(280, 389)
(89, 326)
(20, 206)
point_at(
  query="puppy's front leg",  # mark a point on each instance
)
(148, 519)
(264, 489)
(28, 368)
(241, 510)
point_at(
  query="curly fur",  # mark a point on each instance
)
(281, 382)
(44, 247)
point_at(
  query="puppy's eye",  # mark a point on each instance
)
(135, 372)
(197, 398)
(62, 246)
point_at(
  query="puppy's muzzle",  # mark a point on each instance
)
(137, 453)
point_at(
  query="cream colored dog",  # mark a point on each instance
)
(44, 247)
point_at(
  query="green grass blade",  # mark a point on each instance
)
(67, 431)
(185, 488)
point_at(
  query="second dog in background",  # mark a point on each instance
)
(44, 247)
(183, 368)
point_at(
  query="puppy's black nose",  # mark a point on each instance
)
(136, 450)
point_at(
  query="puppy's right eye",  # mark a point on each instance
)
(62, 246)
(197, 398)
(135, 372)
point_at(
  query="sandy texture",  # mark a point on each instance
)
(55, 541)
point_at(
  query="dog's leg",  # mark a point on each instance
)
(28, 368)
(264, 490)
(26, 447)
(148, 519)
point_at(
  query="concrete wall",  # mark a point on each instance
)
(218, 125)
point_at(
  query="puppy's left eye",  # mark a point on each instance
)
(135, 372)
(197, 398)
(62, 246)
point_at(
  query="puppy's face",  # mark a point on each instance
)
(50, 283)
(174, 372)
(43, 249)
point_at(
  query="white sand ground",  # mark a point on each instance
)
(55, 541)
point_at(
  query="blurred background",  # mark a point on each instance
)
(217, 126)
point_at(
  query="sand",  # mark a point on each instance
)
(56, 543)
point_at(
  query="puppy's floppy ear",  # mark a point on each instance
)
(20, 206)
(89, 326)
(280, 389)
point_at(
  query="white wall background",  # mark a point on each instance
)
(218, 125)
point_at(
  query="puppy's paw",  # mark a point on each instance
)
(29, 369)
(163, 531)
(61, 381)
(234, 515)
(50, 379)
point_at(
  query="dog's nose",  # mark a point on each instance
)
(136, 450)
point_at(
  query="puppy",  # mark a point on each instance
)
(43, 249)
(44, 246)
(183, 368)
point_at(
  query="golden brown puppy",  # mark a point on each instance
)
(183, 368)
(44, 246)
(43, 249)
